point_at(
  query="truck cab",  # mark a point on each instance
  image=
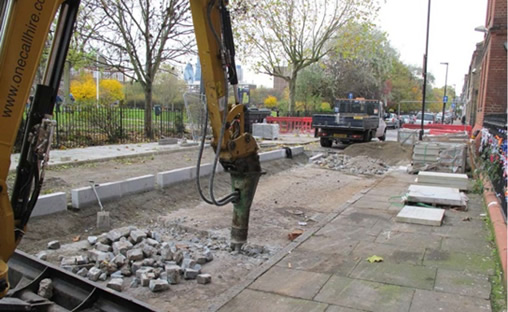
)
(352, 120)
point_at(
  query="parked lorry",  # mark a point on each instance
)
(353, 120)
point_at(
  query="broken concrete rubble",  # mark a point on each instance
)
(54, 245)
(93, 274)
(46, 288)
(204, 279)
(115, 284)
(145, 258)
(158, 285)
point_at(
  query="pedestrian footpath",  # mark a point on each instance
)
(107, 152)
(423, 268)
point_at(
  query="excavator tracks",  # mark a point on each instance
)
(70, 292)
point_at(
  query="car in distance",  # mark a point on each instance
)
(391, 120)
(428, 119)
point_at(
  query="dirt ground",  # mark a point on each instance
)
(391, 153)
(291, 192)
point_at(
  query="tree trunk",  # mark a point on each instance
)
(292, 92)
(148, 111)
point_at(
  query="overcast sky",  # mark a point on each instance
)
(452, 36)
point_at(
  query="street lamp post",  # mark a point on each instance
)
(445, 99)
(425, 73)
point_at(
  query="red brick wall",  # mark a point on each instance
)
(493, 82)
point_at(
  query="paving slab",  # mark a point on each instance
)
(372, 202)
(431, 301)
(464, 231)
(463, 283)
(349, 232)
(409, 228)
(409, 239)
(390, 253)
(401, 274)
(365, 295)
(360, 217)
(467, 218)
(459, 261)
(255, 301)
(335, 308)
(421, 215)
(467, 245)
(329, 245)
(289, 282)
(435, 195)
(312, 261)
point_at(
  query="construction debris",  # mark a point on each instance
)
(294, 234)
(421, 215)
(54, 245)
(155, 263)
(353, 165)
(46, 288)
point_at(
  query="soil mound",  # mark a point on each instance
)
(390, 153)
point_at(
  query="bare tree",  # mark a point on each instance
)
(136, 37)
(284, 37)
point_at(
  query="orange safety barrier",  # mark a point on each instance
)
(440, 128)
(292, 124)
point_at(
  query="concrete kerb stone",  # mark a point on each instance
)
(167, 178)
(272, 155)
(138, 184)
(85, 196)
(297, 150)
(50, 203)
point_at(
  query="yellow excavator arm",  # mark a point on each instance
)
(25, 27)
(235, 148)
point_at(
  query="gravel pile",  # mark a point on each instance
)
(353, 165)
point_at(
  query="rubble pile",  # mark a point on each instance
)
(353, 165)
(144, 256)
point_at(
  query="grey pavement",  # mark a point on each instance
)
(425, 268)
(105, 152)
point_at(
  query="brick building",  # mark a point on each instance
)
(485, 95)
(491, 101)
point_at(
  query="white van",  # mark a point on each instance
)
(429, 118)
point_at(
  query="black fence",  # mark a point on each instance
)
(87, 126)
